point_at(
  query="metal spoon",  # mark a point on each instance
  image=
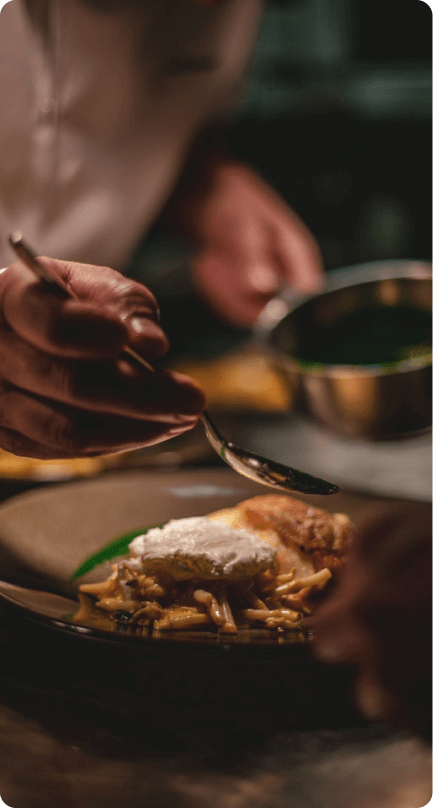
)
(249, 464)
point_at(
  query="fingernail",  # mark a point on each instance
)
(182, 379)
(143, 325)
(185, 419)
(178, 430)
(263, 280)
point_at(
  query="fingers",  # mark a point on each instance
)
(223, 281)
(110, 312)
(340, 637)
(105, 287)
(240, 275)
(392, 665)
(67, 389)
(296, 253)
(39, 428)
(18, 444)
(276, 243)
(118, 388)
(260, 273)
(379, 617)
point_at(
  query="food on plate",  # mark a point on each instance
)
(262, 563)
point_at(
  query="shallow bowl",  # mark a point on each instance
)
(387, 396)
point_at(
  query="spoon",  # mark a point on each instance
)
(251, 465)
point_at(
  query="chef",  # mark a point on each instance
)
(105, 107)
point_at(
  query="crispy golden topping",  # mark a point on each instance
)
(323, 537)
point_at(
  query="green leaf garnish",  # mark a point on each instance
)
(115, 548)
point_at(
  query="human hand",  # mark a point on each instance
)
(379, 618)
(65, 391)
(251, 243)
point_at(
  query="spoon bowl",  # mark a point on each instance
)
(261, 469)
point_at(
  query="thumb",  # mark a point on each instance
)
(259, 271)
(262, 279)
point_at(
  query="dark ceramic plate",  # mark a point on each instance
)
(257, 674)
(45, 534)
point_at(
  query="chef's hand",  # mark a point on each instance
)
(379, 618)
(251, 243)
(64, 390)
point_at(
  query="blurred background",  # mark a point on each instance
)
(337, 117)
(345, 87)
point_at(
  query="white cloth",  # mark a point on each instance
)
(97, 116)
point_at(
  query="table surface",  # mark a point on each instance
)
(57, 750)
(64, 743)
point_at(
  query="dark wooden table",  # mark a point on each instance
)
(70, 750)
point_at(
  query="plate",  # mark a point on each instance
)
(45, 534)
(256, 675)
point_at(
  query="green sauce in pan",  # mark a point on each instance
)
(372, 335)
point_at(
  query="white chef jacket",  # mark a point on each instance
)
(98, 112)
